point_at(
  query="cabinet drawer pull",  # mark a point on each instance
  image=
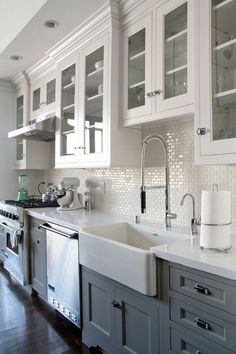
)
(198, 352)
(201, 289)
(116, 304)
(202, 324)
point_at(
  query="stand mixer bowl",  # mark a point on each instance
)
(66, 199)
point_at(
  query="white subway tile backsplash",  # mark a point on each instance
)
(122, 185)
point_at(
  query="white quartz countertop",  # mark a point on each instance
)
(185, 252)
(74, 219)
(189, 253)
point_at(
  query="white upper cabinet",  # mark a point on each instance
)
(215, 128)
(43, 96)
(158, 63)
(28, 154)
(88, 133)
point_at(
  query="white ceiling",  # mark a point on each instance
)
(28, 37)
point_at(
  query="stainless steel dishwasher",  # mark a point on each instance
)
(63, 271)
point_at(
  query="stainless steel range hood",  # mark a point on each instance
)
(42, 131)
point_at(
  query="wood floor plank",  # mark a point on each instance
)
(28, 325)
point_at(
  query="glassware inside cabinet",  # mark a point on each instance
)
(19, 149)
(94, 123)
(68, 111)
(223, 69)
(136, 70)
(176, 65)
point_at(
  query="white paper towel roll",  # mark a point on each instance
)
(216, 207)
(218, 237)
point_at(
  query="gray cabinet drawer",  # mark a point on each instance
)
(181, 342)
(201, 322)
(207, 290)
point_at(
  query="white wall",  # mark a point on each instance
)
(8, 177)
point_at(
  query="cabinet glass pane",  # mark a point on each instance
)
(36, 99)
(19, 149)
(93, 131)
(51, 91)
(136, 70)
(223, 69)
(19, 111)
(68, 111)
(176, 52)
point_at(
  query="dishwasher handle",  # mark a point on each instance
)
(47, 226)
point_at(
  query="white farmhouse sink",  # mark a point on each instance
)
(122, 252)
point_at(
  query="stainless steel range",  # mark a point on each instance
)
(14, 240)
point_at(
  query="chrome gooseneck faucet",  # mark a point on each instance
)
(194, 221)
(168, 214)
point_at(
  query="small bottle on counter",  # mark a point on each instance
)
(88, 200)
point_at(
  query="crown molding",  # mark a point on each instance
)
(20, 79)
(41, 68)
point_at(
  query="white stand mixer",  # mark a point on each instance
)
(70, 200)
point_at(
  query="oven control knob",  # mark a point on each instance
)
(14, 217)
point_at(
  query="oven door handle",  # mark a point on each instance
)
(47, 226)
(3, 224)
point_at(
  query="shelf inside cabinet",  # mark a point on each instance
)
(95, 97)
(94, 105)
(69, 86)
(71, 131)
(177, 35)
(225, 14)
(137, 84)
(180, 68)
(98, 72)
(225, 54)
(137, 56)
(226, 97)
(69, 109)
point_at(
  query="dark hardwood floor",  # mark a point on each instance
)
(30, 326)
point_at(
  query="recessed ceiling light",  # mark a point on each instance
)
(16, 57)
(51, 24)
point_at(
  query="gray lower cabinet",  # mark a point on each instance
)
(201, 312)
(117, 319)
(38, 257)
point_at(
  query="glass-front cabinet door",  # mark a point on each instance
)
(19, 124)
(217, 124)
(67, 112)
(50, 95)
(137, 41)
(94, 98)
(174, 74)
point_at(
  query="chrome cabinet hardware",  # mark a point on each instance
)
(153, 93)
(116, 304)
(202, 131)
(201, 289)
(47, 226)
(79, 147)
(202, 324)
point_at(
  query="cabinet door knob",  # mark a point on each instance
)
(202, 131)
(148, 94)
(37, 241)
(116, 304)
